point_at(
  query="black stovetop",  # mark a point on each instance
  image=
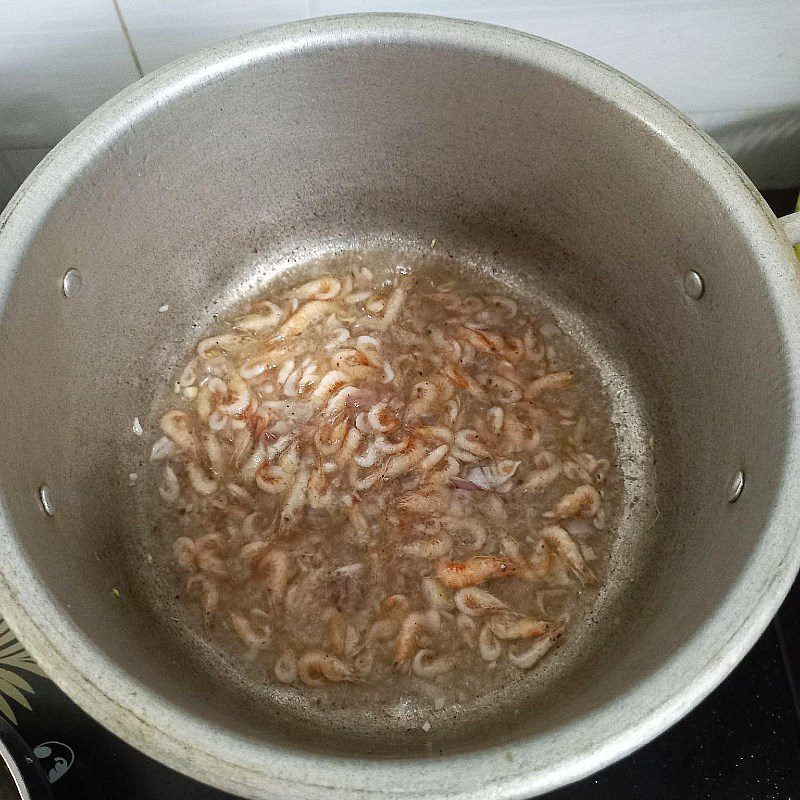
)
(741, 743)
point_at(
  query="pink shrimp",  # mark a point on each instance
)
(476, 570)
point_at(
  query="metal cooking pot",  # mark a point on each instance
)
(650, 245)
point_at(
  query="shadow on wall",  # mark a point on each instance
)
(766, 146)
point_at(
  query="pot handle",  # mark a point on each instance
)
(791, 226)
(25, 769)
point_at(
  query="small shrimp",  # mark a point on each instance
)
(548, 383)
(511, 548)
(271, 479)
(183, 549)
(412, 626)
(296, 501)
(436, 432)
(329, 439)
(569, 552)
(581, 502)
(253, 552)
(339, 401)
(426, 665)
(316, 669)
(452, 408)
(256, 640)
(391, 448)
(260, 323)
(170, 488)
(349, 446)
(529, 657)
(175, 424)
(430, 499)
(203, 403)
(324, 288)
(209, 593)
(495, 415)
(394, 305)
(469, 441)
(575, 472)
(476, 602)
(218, 344)
(199, 481)
(381, 419)
(510, 626)
(433, 458)
(437, 547)
(286, 666)
(213, 451)
(478, 569)
(503, 389)
(489, 645)
(331, 382)
(237, 398)
(423, 397)
(468, 629)
(275, 567)
(211, 563)
(539, 479)
(365, 482)
(335, 629)
(309, 313)
(319, 489)
(404, 462)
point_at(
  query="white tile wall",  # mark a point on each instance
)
(8, 181)
(164, 31)
(732, 65)
(707, 57)
(59, 60)
(23, 160)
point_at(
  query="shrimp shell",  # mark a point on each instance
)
(529, 657)
(316, 669)
(569, 552)
(309, 313)
(249, 635)
(404, 462)
(548, 383)
(478, 569)
(540, 479)
(489, 645)
(581, 502)
(324, 288)
(170, 488)
(510, 626)
(175, 424)
(426, 665)
(199, 481)
(475, 602)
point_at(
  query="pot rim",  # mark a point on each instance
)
(233, 763)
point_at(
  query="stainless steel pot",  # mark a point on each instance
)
(645, 238)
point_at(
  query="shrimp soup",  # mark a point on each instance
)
(388, 484)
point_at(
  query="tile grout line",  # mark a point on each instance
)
(128, 39)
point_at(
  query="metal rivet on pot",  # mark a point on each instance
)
(72, 283)
(46, 499)
(693, 285)
(736, 487)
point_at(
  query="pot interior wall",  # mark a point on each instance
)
(321, 148)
